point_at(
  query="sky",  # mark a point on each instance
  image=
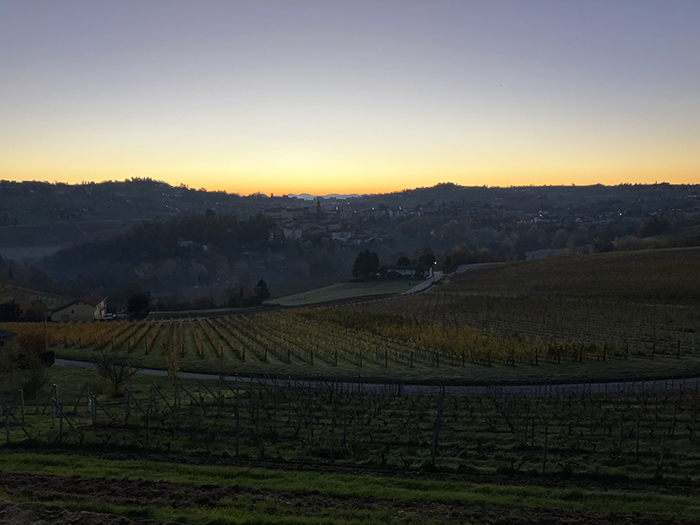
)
(349, 96)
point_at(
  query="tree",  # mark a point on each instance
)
(26, 368)
(10, 312)
(653, 226)
(602, 245)
(139, 305)
(116, 365)
(366, 264)
(426, 260)
(261, 291)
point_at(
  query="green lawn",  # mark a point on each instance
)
(346, 291)
(567, 372)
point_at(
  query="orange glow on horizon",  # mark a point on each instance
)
(374, 184)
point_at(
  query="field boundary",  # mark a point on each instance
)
(491, 389)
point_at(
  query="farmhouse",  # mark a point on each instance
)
(406, 272)
(92, 307)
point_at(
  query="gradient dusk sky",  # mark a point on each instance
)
(327, 96)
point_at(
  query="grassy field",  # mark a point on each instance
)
(471, 374)
(340, 291)
(142, 489)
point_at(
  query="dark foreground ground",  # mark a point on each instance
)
(23, 513)
(63, 489)
(301, 505)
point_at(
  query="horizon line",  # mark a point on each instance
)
(349, 194)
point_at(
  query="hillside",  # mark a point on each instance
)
(25, 296)
(664, 275)
(637, 305)
(38, 218)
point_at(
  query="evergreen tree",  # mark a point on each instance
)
(366, 264)
(261, 291)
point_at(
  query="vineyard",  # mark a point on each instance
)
(643, 434)
(322, 337)
(640, 330)
(434, 331)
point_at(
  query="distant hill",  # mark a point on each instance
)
(116, 233)
(39, 218)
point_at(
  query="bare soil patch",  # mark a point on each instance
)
(24, 513)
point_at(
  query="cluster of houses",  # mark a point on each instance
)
(417, 271)
(341, 224)
(340, 221)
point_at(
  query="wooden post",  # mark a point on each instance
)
(692, 425)
(126, 404)
(544, 450)
(333, 439)
(94, 407)
(238, 430)
(661, 454)
(21, 402)
(437, 425)
(148, 421)
(620, 433)
(6, 415)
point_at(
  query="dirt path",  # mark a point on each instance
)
(137, 493)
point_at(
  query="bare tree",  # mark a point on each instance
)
(116, 365)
